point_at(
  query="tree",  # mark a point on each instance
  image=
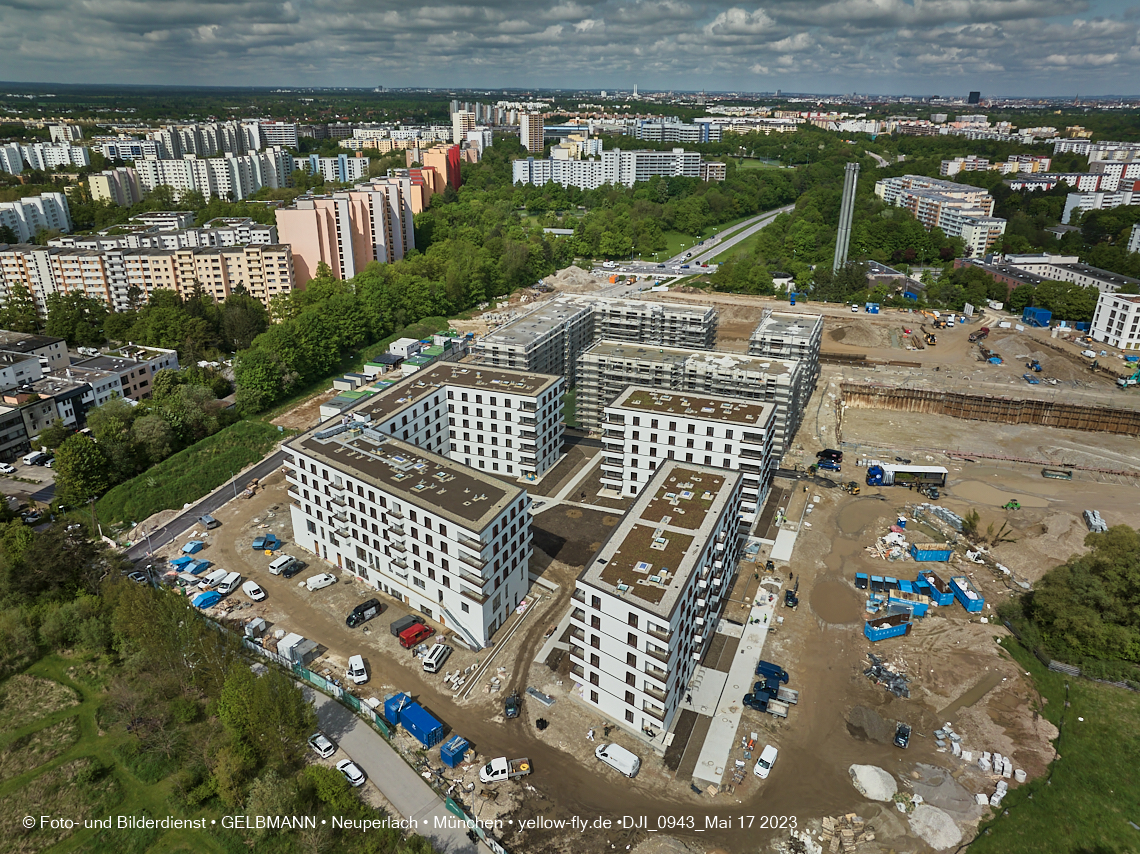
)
(77, 318)
(271, 794)
(7, 235)
(243, 319)
(18, 314)
(268, 713)
(155, 436)
(82, 469)
(53, 435)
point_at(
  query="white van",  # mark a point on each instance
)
(436, 656)
(765, 762)
(230, 583)
(356, 671)
(618, 758)
(213, 579)
(34, 457)
(281, 565)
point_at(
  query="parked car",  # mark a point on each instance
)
(322, 745)
(902, 735)
(830, 454)
(356, 670)
(765, 762)
(319, 582)
(512, 706)
(209, 521)
(829, 465)
(139, 578)
(7, 468)
(50, 463)
(351, 771)
(253, 590)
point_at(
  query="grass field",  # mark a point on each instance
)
(189, 474)
(754, 163)
(1092, 791)
(569, 408)
(677, 242)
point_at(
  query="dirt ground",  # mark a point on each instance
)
(306, 414)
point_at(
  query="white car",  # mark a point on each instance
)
(7, 469)
(855, 309)
(356, 670)
(351, 772)
(319, 582)
(253, 590)
(765, 762)
(322, 745)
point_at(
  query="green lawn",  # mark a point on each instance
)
(755, 163)
(1092, 791)
(569, 403)
(677, 241)
(189, 474)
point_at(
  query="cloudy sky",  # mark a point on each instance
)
(1012, 47)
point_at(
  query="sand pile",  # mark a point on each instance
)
(934, 827)
(874, 783)
(575, 280)
(860, 333)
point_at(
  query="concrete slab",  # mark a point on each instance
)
(785, 542)
(721, 738)
(706, 688)
(733, 630)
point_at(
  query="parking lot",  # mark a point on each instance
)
(26, 484)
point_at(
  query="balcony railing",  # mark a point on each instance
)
(653, 711)
(578, 633)
(658, 653)
(655, 693)
(656, 632)
(337, 498)
(478, 563)
(470, 542)
(341, 531)
(577, 670)
(527, 420)
(400, 562)
(578, 594)
(398, 546)
(339, 515)
(393, 512)
(578, 614)
(396, 528)
(656, 673)
(472, 595)
(295, 493)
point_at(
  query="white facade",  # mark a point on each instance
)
(462, 121)
(65, 133)
(1082, 202)
(282, 134)
(221, 177)
(645, 427)
(133, 149)
(46, 156)
(1134, 239)
(120, 186)
(28, 215)
(1117, 321)
(235, 231)
(1067, 268)
(614, 167)
(11, 159)
(340, 170)
(979, 233)
(451, 543)
(645, 609)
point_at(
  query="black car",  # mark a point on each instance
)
(292, 569)
(512, 706)
(902, 735)
(830, 454)
(759, 702)
(364, 612)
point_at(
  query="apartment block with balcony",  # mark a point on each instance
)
(609, 367)
(550, 338)
(790, 335)
(645, 427)
(1116, 321)
(449, 541)
(135, 367)
(644, 610)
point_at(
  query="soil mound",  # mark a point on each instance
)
(869, 725)
(873, 782)
(934, 827)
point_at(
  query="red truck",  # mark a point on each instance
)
(979, 335)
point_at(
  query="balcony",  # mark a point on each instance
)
(578, 633)
(341, 531)
(660, 654)
(396, 528)
(613, 462)
(473, 595)
(290, 473)
(394, 513)
(527, 434)
(398, 546)
(577, 670)
(476, 562)
(527, 421)
(654, 711)
(656, 673)
(470, 542)
(655, 693)
(578, 614)
(339, 515)
(613, 433)
(295, 493)
(657, 632)
(400, 562)
(337, 497)
(578, 594)
(614, 418)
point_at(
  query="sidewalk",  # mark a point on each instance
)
(414, 799)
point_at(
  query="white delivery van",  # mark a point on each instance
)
(282, 564)
(436, 656)
(321, 581)
(765, 762)
(230, 583)
(356, 671)
(34, 457)
(618, 758)
(213, 579)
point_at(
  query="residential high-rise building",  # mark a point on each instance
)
(531, 133)
(283, 134)
(67, 133)
(120, 186)
(975, 98)
(614, 167)
(461, 123)
(228, 177)
(29, 215)
(349, 228)
(11, 159)
(444, 159)
(645, 609)
(1134, 239)
(960, 210)
(46, 156)
(341, 169)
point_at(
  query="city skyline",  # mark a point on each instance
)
(891, 47)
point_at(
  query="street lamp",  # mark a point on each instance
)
(234, 479)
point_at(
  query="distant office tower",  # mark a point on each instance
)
(461, 123)
(531, 134)
(975, 98)
(846, 210)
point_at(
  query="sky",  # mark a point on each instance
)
(915, 47)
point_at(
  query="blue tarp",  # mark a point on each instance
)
(181, 560)
(206, 600)
(196, 567)
(192, 547)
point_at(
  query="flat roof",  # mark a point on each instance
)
(791, 324)
(23, 342)
(109, 363)
(534, 324)
(432, 482)
(9, 357)
(710, 407)
(682, 356)
(650, 555)
(425, 381)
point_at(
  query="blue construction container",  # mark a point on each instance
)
(939, 592)
(197, 567)
(967, 594)
(930, 551)
(392, 707)
(420, 723)
(451, 751)
(890, 583)
(890, 626)
(193, 547)
(919, 609)
(181, 560)
(906, 586)
(1036, 316)
(861, 581)
(872, 308)
(877, 583)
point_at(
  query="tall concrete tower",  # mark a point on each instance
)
(846, 209)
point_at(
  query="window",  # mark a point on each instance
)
(595, 660)
(593, 696)
(629, 715)
(593, 678)
(631, 639)
(596, 602)
(629, 698)
(633, 619)
(630, 678)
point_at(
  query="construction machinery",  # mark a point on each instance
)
(1012, 504)
(850, 487)
(975, 337)
(1128, 382)
(1032, 380)
(1034, 365)
(928, 337)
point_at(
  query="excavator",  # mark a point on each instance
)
(928, 337)
(1128, 382)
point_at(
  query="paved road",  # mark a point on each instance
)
(189, 518)
(754, 225)
(412, 797)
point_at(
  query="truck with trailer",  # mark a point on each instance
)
(502, 768)
(890, 474)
